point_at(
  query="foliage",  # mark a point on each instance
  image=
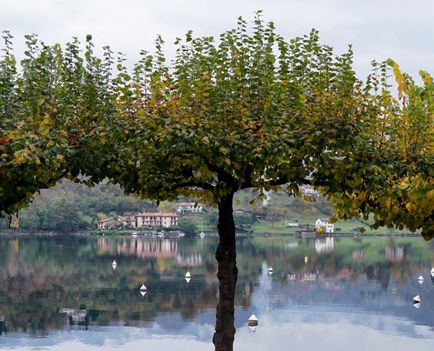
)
(187, 225)
(391, 173)
(50, 108)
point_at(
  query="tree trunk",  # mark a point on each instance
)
(226, 225)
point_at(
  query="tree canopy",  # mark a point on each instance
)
(247, 110)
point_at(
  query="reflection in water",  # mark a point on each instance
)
(227, 274)
(65, 288)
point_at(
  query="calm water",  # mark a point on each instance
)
(63, 294)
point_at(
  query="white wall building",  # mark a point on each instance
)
(188, 207)
(156, 219)
(323, 223)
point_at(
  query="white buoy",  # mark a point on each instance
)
(306, 259)
(420, 280)
(202, 235)
(253, 321)
(416, 299)
(143, 290)
(187, 280)
(432, 272)
(270, 270)
(187, 275)
(114, 264)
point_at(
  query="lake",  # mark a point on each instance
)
(62, 293)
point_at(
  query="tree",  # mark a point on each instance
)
(50, 110)
(251, 111)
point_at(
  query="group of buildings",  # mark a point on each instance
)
(151, 219)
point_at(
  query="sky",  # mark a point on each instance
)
(377, 29)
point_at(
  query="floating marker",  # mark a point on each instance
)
(252, 328)
(420, 280)
(202, 235)
(432, 272)
(143, 290)
(270, 270)
(187, 275)
(416, 299)
(306, 259)
(114, 264)
(253, 321)
(187, 280)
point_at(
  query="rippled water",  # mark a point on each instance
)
(331, 294)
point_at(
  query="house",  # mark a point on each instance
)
(308, 191)
(188, 207)
(323, 224)
(156, 219)
(107, 223)
(127, 221)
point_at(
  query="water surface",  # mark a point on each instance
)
(62, 293)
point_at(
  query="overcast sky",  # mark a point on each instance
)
(378, 29)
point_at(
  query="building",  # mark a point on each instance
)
(188, 207)
(323, 224)
(156, 219)
(107, 223)
(127, 221)
(308, 191)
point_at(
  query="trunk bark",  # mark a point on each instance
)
(226, 225)
(227, 274)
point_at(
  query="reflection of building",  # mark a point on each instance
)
(139, 248)
(156, 219)
(80, 317)
(395, 253)
(357, 254)
(189, 261)
(323, 223)
(326, 245)
(188, 207)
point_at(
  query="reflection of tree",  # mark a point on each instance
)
(227, 274)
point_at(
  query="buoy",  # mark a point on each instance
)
(114, 264)
(187, 280)
(253, 321)
(432, 272)
(270, 270)
(202, 235)
(420, 280)
(187, 275)
(416, 299)
(143, 290)
(306, 259)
